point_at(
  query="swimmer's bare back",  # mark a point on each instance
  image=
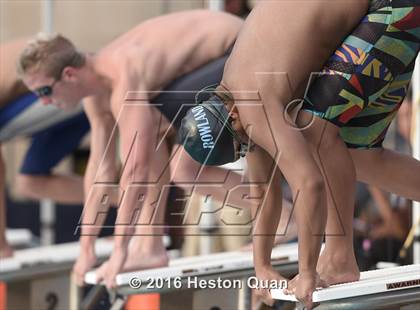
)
(164, 48)
(296, 37)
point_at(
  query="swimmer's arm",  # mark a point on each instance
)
(260, 169)
(101, 167)
(138, 133)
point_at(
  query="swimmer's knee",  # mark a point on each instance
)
(314, 183)
(309, 182)
(27, 185)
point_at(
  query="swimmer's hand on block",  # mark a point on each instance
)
(371, 282)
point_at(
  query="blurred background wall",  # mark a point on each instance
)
(90, 23)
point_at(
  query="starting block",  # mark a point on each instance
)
(40, 278)
(217, 264)
(372, 284)
(228, 265)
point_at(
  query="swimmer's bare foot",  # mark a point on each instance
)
(266, 275)
(139, 261)
(140, 258)
(291, 285)
(6, 251)
(146, 252)
(338, 268)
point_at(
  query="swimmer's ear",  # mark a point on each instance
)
(68, 73)
(234, 119)
(234, 114)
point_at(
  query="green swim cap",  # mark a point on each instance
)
(207, 135)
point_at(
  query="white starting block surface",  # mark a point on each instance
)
(19, 237)
(48, 256)
(371, 282)
(218, 263)
(237, 265)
